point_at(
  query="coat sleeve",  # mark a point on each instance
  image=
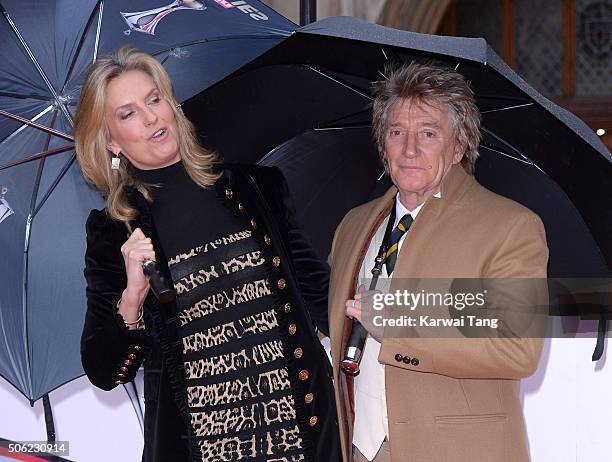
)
(110, 353)
(521, 258)
(311, 272)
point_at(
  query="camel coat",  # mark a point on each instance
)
(460, 400)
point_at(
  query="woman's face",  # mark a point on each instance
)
(140, 121)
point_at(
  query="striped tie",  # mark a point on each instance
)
(401, 229)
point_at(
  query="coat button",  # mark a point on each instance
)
(292, 329)
(313, 421)
(118, 382)
(398, 358)
(276, 262)
(127, 362)
(308, 398)
(131, 356)
(121, 376)
(287, 307)
(303, 375)
(253, 224)
(414, 361)
(281, 283)
(241, 207)
(229, 193)
(267, 239)
(298, 353)
(406, 359)
(124, 369)
(136, 348)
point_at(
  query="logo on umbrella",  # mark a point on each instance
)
(146, 21)
(5, 209)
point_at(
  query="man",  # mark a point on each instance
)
(432, 399)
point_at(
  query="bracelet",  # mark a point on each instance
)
(140, 315)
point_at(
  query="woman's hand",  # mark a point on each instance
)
(137, 249)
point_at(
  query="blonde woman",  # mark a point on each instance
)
(233, 368)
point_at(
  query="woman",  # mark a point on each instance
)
(233, 369)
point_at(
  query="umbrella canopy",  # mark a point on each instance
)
(46, 48)
(308, 108)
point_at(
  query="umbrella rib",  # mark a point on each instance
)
(9, 94)
(507, 108)
(23, 127)
(44, 128)
(506, 154)
(39, 155)
(504, 98)
(511, 148)
(79, 46)
(99, 28)
(54, 184)
(344, 84)
(34, 61)
(346, 127)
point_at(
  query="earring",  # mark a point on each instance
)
(115, 162)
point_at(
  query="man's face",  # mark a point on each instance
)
(420, 146)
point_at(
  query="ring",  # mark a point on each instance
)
(353, 305)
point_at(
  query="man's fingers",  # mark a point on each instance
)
(353, 309)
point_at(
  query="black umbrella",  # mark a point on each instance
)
(307, 111)
(45, 49)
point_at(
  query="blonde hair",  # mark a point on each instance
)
(430, 84)
(91, 133)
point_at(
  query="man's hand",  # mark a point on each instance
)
(361, 309)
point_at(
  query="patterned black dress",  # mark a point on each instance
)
(238, 389)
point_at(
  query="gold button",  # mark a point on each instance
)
(132, 356)
(281, 283)
(292, 329)
(124, 369)
(137, 348)
(287, 307)
(254, 224)
(303, 375)
(229, 193)
(118, 382)
(127, 362)
(298, 352)
(308, 398)
(313, 420)
(241, 207)
(121, 376)
(267, 239)
(276, 262)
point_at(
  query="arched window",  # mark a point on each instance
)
(563, 48)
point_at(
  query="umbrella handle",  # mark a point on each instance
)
(159, 284)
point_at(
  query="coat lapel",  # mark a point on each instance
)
(349, 253)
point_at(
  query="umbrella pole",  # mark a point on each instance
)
(132, 391)
(308, 11)
(49, 419)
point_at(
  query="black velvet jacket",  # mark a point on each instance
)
(111, 354)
